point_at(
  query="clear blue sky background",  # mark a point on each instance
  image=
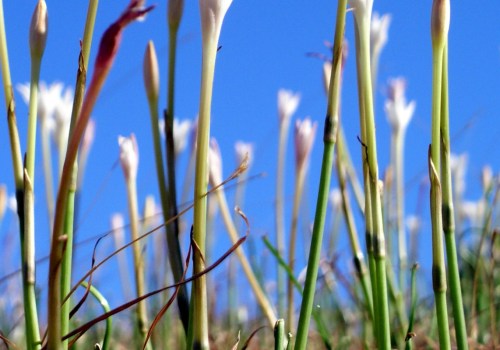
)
(264, 47)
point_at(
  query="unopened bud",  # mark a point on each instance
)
(129, 156)
(38, 29)
(174, 13)
(150, 71)
(440, 22)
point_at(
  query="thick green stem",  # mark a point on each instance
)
(438, 264)
(449, 215)
(382, 305)
(329, 140)
(200, 306)
(358, 257)
(28, 259)
(69, 219)
(174, 247)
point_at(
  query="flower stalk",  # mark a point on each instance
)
(329, 140)
(448, 214)
(287, 105)
(151, 81)
(212, 15)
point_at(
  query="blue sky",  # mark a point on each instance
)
(264, 48)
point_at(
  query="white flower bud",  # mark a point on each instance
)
(174, 13)
(305, 132)
(181, 132)
(129, 156)
(287, 104)
(38, 29)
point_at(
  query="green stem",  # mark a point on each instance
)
(449, 215)
(28, 238)
(69, 215)
(28, 258)
(369, 235)
(280, 210)
(358, 258)
(438, 264)
(200, 307)
(140, 287)
(413, 308)
(105, 307)
(329, 140)
(279, 335)
(383, 338)
(299, 187)
(15, 148)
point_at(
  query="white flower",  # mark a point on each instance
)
(413, 223)
(129, 156)
(458, 168)
(399, 113)
(378, 31)
(212, 15)
(474, 211)
(305, 132)
(181, 133)
(335, 198)
(327, 74)
(287, 104)
(12, 203)
(48, 99)
(62, 118)
(362, 9)
(243, 149)
(215, 163)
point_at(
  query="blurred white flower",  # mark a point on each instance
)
(335, 198)
(287, 104)
(12, 203)
(129, 156)
(242, 314)
(215, 163)
(413, 223)
(474, 211)
(486, 178)
(88, 136)
(48, 99)
(181, 134)
(62, 118)
(212, 15)
(243, 149)
(378, 31)
(305, 132)
(399, 113)
(458, 168)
